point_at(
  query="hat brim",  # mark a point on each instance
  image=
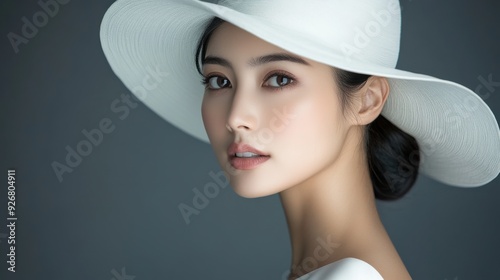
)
(150, 46)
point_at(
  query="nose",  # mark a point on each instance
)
(243, 113)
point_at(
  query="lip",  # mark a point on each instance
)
(245, 163)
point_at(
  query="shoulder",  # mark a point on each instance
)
(344, 269)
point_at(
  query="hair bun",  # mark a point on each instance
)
(393, 158)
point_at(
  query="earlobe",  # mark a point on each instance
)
(373, 97)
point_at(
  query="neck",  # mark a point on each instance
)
(332, 215)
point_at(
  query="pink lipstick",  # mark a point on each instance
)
(245, 157)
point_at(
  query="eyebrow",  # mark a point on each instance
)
(257, 61)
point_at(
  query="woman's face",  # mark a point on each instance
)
(262, 97)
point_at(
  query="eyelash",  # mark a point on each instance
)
(283, 74)
(205, 80)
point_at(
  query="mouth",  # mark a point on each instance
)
(245, 157)
(247, 163)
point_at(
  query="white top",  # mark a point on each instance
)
(344, 269)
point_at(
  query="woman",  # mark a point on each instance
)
(302, 99)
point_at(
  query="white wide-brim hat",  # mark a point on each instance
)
(151, 44)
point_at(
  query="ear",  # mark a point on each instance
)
(372, 97)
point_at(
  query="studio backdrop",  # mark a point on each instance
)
(99, 180)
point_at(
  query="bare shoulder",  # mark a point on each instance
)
(344, 269)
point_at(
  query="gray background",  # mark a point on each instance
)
(119, 207)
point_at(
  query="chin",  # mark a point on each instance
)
(250, 185)
(252, 191)
(259, 182)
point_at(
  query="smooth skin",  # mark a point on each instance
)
(289, 107)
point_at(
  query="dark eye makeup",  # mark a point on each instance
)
(215, 82)
(277, 80)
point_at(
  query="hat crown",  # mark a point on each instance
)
(367, 31)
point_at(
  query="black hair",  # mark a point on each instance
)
(393, 155)
(201, 49)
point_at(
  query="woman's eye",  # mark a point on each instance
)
(216, 82)
(278, 80)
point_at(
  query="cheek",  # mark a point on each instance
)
(310, 138)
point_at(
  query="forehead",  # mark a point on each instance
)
(231, 41)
